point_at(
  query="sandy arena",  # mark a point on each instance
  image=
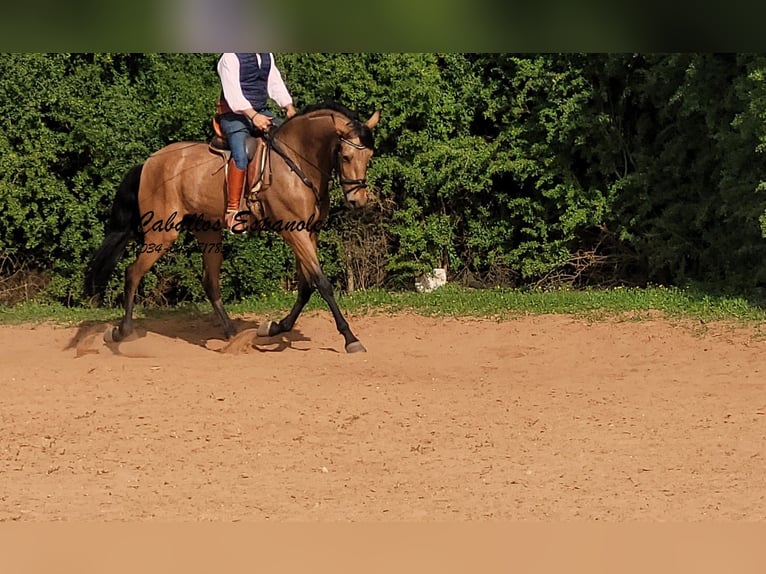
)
(542, 418)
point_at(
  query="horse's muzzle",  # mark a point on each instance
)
(357, 198)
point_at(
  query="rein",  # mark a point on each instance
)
(294, 167)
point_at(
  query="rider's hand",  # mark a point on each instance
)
(261, 122)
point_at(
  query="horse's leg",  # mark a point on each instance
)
(155, 244)
(304, 246)
(212, 257)
(305, 289)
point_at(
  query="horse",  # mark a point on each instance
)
(182, 187)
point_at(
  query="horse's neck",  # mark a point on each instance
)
(312, 136)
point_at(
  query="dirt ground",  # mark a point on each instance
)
(542, 418)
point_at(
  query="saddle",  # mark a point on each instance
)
(256, 148)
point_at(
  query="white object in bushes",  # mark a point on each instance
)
(429, 281)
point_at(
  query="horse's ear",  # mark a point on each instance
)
(373, 121)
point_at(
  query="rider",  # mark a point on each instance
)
(247, 82)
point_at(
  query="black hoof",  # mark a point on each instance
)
(113, 335)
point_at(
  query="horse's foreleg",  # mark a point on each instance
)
(305, 289)
(326, 291)
(305, 248)
(212, 257)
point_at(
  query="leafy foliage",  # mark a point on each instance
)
(583, 169)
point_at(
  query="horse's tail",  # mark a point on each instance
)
(124, 223)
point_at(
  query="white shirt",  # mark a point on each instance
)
(228, 70)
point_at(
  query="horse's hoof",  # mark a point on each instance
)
(264, 328)
(355, 347)
(112, 335)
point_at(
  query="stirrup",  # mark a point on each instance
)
(230, 222)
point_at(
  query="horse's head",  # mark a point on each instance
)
(353, 154)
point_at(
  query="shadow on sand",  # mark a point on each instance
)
(198, 330)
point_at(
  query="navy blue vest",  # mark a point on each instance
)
(254, 79)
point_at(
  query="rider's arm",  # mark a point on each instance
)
(278, 90)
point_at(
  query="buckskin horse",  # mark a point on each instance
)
(184, 183)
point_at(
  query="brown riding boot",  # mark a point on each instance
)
(235, 183)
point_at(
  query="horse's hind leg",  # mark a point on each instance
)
(212, 257)
(153, 248)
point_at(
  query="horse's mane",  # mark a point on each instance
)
(357, 126)
(331, 105)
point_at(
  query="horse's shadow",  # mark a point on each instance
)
(203, 331)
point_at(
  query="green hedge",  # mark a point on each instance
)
(584, 169)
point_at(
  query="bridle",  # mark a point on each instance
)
(356, 183)
(342, 181)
